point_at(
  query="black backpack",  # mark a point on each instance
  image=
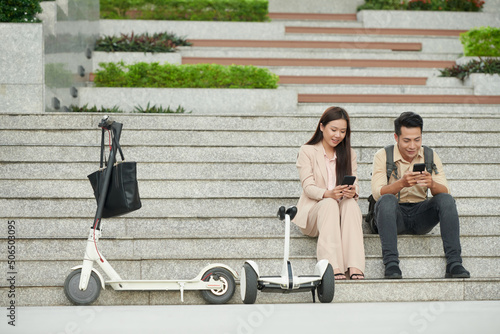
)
(392, 168)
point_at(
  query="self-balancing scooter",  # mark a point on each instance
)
(322, 281)
(83, 285)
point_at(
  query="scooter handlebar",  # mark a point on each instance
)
(106, 122)
(291, 211)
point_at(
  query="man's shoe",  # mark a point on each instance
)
(392, 271)
(456, 270)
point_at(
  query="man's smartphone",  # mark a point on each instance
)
(348, 180)
(418, 167)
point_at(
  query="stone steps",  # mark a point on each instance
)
(218, 43)
(345, 291)
(372, 31)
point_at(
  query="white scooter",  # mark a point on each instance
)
(322, 281)
(83, 285)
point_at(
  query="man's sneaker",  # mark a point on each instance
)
(392, 271)
(456, 270)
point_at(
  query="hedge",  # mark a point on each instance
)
(191, 10)
(435, 5)
(154, 75)
(481, 42)
(23, 11)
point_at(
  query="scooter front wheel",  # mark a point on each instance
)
(77, 296)
(248, 284)
(326, 288)
(219, 296)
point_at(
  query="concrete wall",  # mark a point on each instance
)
(314, 6)
(427, 19)
(21, 67)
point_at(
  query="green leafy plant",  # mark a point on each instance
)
(382, 5)
(436, 5)
(154, 75)
(23, 11)
(194, 10)
(158, 42)
(86, 108)
(482, 41)
(160, 110)
(486, 66)
(137, 109)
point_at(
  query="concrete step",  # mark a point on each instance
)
(398, 98)
(354, 72)
(222, 247)
(349, 80)
(372, 31)
(313, 16)
(345, 291)
(367, 45)
(52, 273)
(382, 90)
(393, 109)
(199, 207)
(361, 120)
(126, 227)
(348, 62)
(232, 138)
(212, 189)
(216, 171)
(326, 57)
(198, 154)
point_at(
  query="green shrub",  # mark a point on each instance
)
(158, 42)
(483, 41)
(154, 75)
(19, 10)
(382, 5)
(138, 109)
(436, 5)
(191, 10)
(486, 66)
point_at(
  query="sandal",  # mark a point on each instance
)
(357, 276)
(339, 275)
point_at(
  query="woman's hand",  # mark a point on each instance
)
(340, 191)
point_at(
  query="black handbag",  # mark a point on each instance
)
(123, 191)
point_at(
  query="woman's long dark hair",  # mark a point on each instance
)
(343, 149)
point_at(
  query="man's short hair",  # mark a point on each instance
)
(408, 119)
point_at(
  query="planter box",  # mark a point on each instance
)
(135, 57)
(407, 19)
(314, 6)
(21, 68)
(203, 101)
(484, 84)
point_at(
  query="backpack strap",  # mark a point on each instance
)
(390, 166)
(430, 166)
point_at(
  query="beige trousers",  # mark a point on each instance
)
(339, 232)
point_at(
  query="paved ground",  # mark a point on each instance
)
(371, 318)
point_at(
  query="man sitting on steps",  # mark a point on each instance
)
(402, 205)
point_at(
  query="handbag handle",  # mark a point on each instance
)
(115, 143)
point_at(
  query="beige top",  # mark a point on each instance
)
(313, 174)
(413, 194)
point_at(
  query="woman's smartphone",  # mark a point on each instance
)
(348, 180)
(418, 167)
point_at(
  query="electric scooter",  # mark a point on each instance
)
(83, 285)
(322, 281)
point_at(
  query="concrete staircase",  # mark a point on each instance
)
(211, 185)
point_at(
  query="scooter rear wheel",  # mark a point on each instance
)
(326, 289)
(77, 296)
(248, 284)
(223, 295)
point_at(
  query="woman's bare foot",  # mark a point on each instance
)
(339, 275)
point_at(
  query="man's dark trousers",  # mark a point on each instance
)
(393, 218)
